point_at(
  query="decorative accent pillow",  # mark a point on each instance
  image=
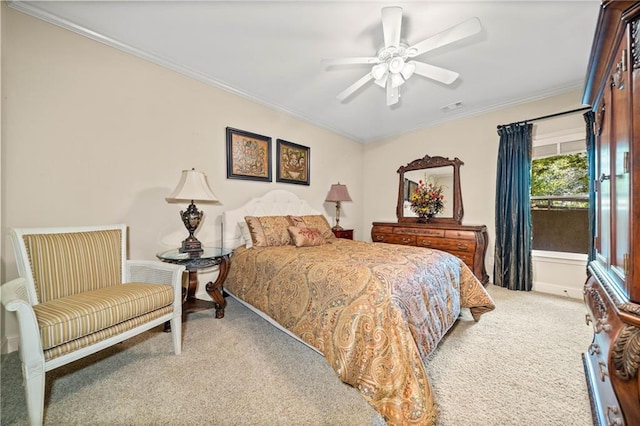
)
(246, 235)
(306, 237)
(268, 231)
(317, 221)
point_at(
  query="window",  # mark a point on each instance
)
(560, 194)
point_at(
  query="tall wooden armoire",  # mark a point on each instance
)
(612, 291)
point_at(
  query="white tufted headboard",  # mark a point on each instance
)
(274, 203)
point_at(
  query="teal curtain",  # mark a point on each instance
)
(512, 257)
(589, 118)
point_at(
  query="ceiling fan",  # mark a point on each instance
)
(393, 64)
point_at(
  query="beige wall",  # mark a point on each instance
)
(475, 141)
(94, 135)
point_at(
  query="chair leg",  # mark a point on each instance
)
(176, 334)
(34, 391)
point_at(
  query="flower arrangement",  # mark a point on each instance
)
(427, 200)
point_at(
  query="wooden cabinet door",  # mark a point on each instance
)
(620, 89)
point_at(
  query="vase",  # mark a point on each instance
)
(425, 217)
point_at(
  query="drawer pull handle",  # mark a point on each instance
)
(406, 240)
(594, 349)
(616, 420)
(462, 246)
(602, 368)
(587, 319)
(426, 243)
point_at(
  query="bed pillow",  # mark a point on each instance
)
(268, 231)
(317, 221)
(246, 235)
(306, 237)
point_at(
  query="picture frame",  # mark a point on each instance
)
(248, 155)
(292, 163)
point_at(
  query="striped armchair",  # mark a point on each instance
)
(77, 294)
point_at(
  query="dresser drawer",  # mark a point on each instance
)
(394, 239)
(607, 408)
(467, 258)
(460, 246)
(456, 234)
(420, 232)
(382, 229)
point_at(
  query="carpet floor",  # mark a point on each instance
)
(520, 365)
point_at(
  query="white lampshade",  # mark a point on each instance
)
(338, 192)
(193, 186)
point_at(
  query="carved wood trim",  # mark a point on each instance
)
(427, 162)
(635, 43)
(626, 352)
(598, 303)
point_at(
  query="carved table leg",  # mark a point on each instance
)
(214, 289)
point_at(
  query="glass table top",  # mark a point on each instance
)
(208, 253)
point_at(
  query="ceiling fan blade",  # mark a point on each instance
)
(369, 60)
(435, 73)
(391, 25)
(355, 86)
(455, 33)
(393, 94)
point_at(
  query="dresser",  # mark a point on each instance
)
(469, 243)
(612, 290)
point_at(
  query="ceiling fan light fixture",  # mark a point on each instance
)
(396, 65)
(382, 81)
(408, 70)
(378, 71)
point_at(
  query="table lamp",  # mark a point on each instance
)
(192, 187)
(338, 193)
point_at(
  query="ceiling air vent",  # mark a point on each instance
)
(451, 107)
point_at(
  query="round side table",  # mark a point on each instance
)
(212, 256)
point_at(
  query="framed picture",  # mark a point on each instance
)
(292, 163)
(248, 155)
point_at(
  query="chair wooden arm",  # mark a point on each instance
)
(15, 298)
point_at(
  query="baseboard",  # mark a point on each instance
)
(9, 344)
(574, 293)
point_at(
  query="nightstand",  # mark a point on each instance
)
(343, 233)
(211, 256)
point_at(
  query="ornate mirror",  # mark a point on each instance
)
(440, 171)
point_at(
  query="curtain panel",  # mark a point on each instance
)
(513, 265)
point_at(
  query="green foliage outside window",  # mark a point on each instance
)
(560, 182)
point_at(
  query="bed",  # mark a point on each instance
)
(375, 311)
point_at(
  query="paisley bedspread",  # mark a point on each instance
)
(376, 311)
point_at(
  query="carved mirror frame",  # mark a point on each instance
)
(428, 162)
